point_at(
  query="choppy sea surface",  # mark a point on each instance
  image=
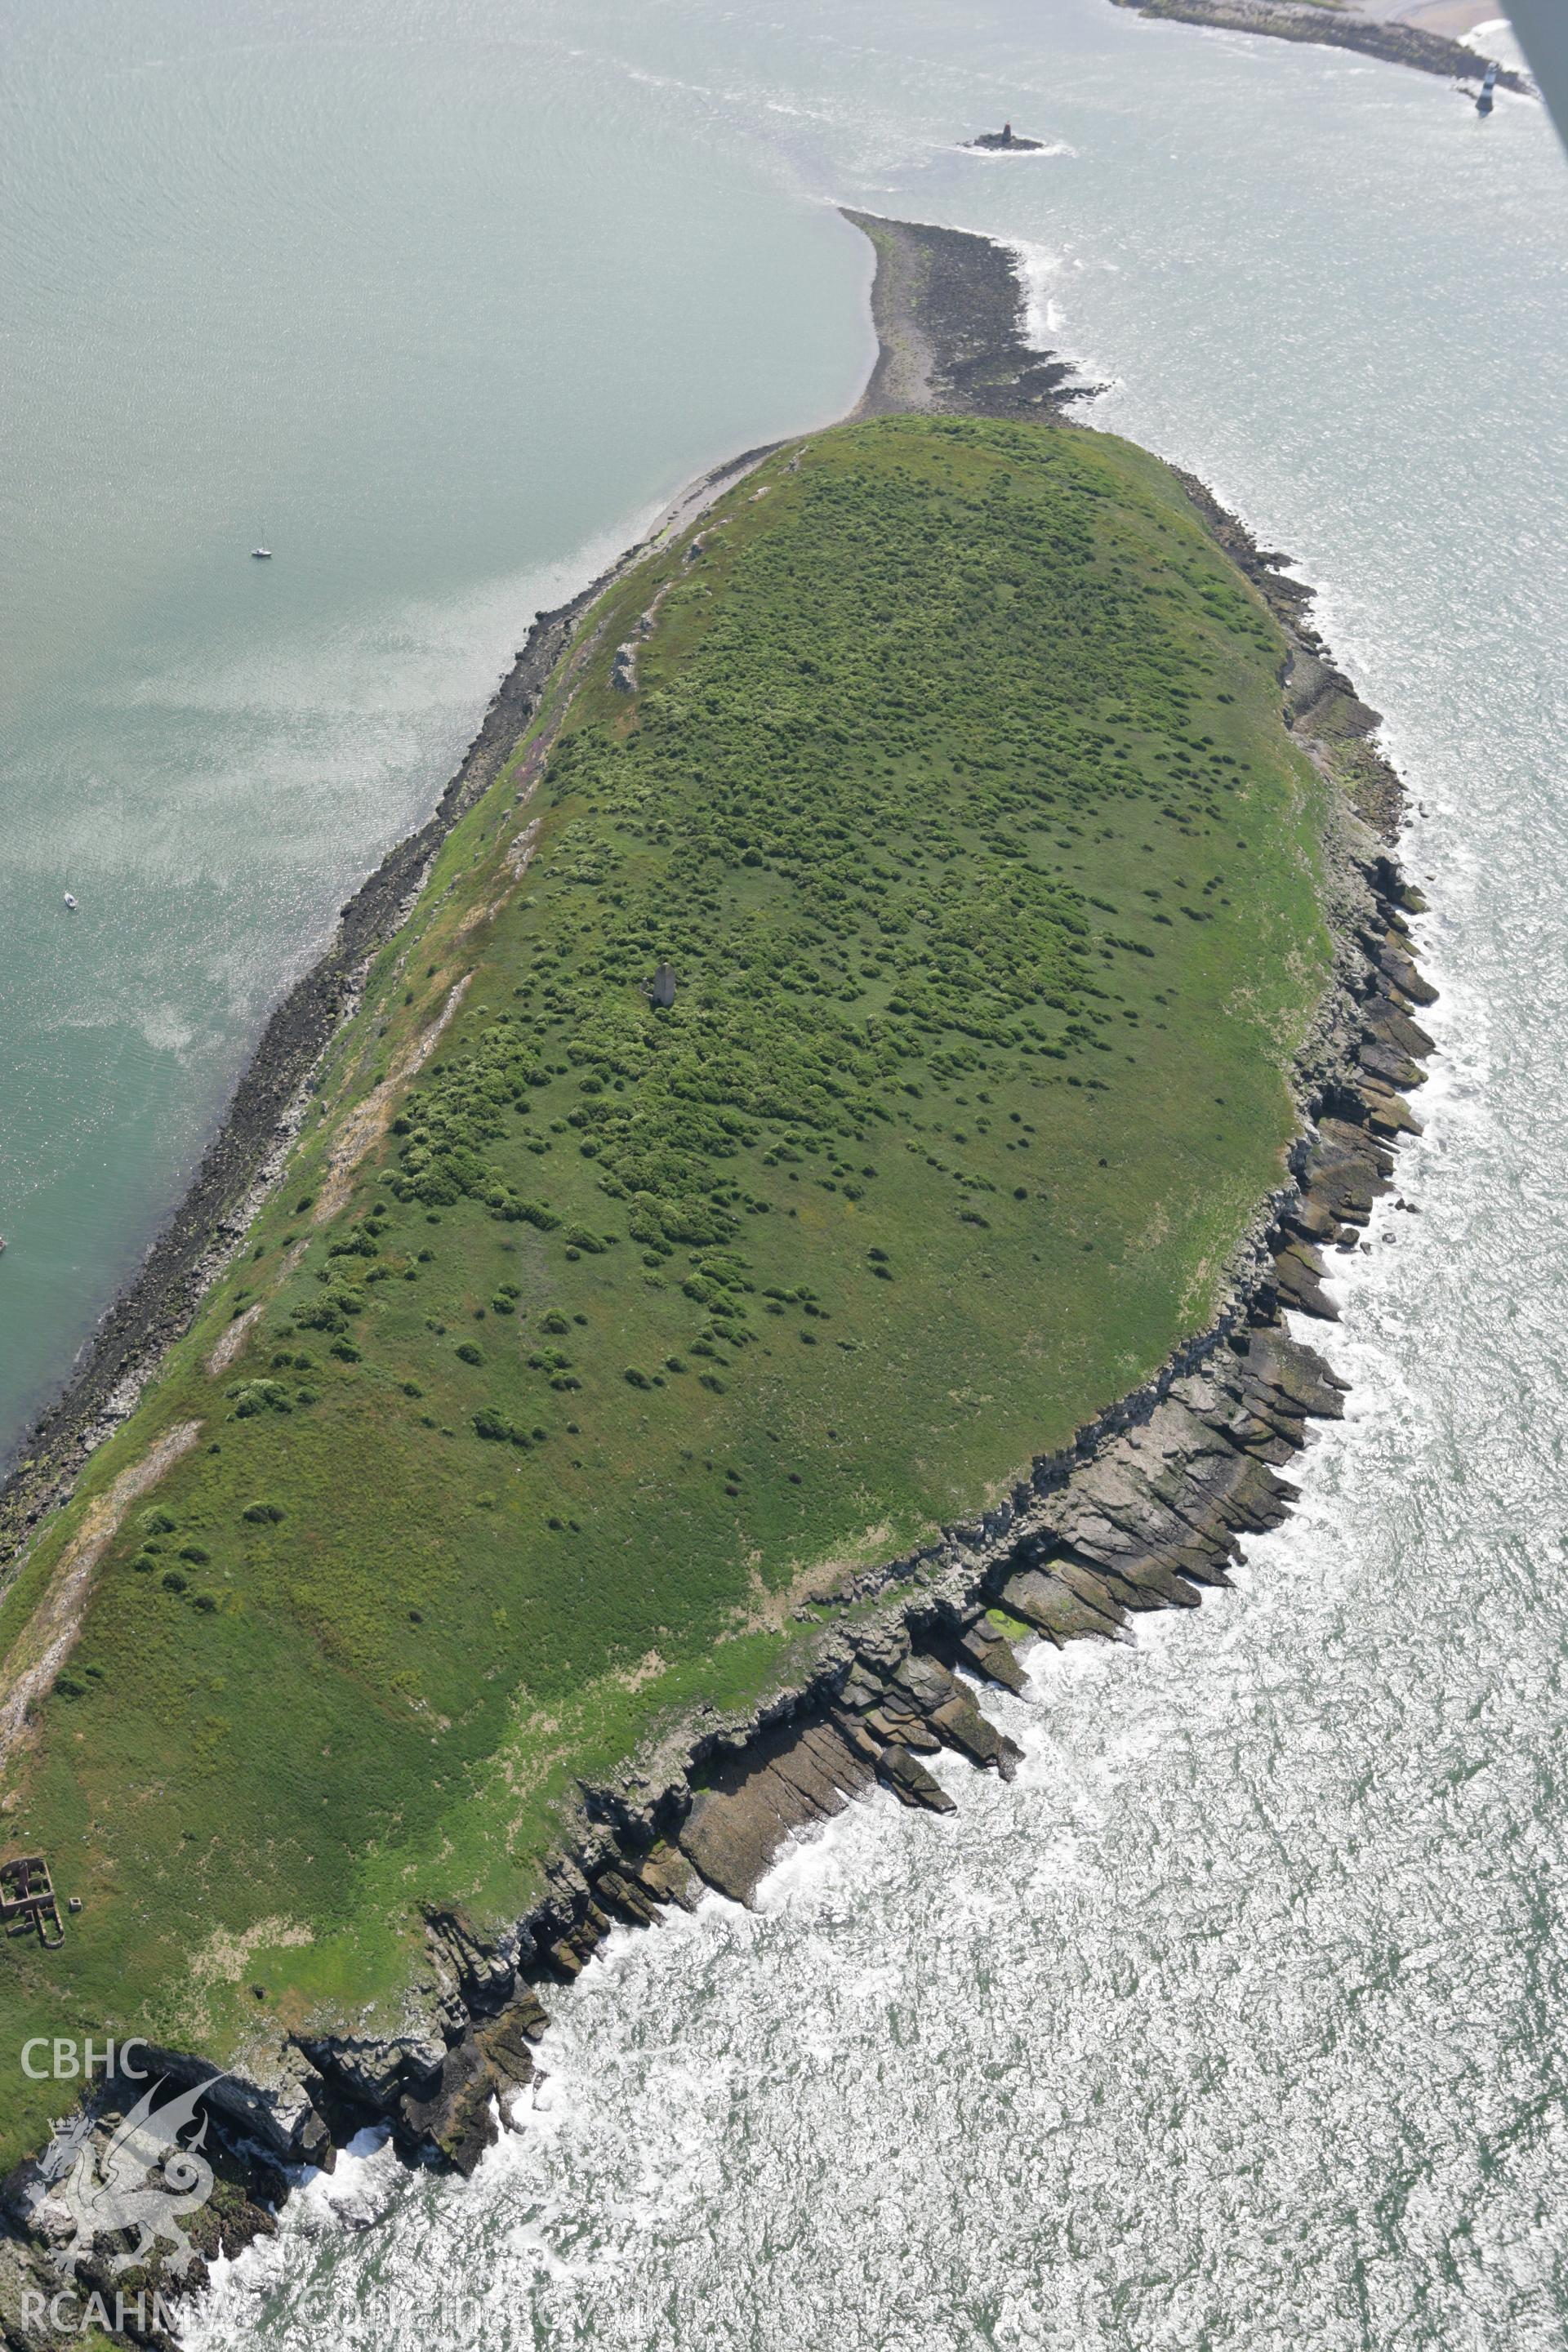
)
(1237, 2021)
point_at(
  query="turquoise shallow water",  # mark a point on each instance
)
(1237, 2021)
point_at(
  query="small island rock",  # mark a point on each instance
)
(1004, 142)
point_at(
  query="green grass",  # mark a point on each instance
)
(956, 794)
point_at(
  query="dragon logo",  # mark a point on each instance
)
(144, 2181)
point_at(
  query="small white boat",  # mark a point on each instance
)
(262, 555)
(70, 902)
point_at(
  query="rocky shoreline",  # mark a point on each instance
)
(949, 329)
(1284, 20)
(1147, 1509)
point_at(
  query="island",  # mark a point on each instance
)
(788, 1187)
(1373, 30)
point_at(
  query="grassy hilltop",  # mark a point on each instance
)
(589, 1339)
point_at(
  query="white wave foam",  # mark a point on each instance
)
(1042, 274)
(1027, 155)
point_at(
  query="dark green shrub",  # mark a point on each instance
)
(491, 1424)
(468, 1353)
(252, 1397)
(173, 1582)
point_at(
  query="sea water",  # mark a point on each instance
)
(1237, 2019)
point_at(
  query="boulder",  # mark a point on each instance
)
(1309, 1221)
(911, 1783)
(961, 1724)
(1389, 1066)
(505, 2043)
(1299, 1272)
(1291, 1378)
(1345, 1171)
(1088, 1586)
(1405, 977)
(624, 1900)
(1046, 1603)
(1383, 1019)
(925, 1682)
(991, 1656)
(737, 1824)
(665, 1875)
(457, 2112)
(1387, 1114)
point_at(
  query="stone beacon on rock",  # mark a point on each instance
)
(1004, 142)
